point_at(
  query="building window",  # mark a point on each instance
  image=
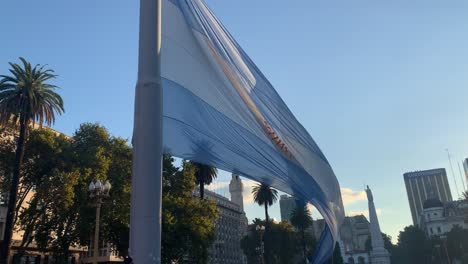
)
(438, 230)
(432, 231)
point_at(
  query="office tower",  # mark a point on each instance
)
(422, 185)
(287, 205)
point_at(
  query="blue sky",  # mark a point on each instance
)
(380, 85)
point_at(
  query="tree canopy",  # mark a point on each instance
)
(26, 98)
(285, 246)
(58, 215)
(187, 223)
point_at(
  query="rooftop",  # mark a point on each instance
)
(423, 173)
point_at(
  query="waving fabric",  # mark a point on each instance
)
(219, 109)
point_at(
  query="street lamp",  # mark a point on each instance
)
(98, 191)
(261, 229)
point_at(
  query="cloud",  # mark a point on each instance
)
(364, 212)
(247, 192)
(350, 196)
(217, 185)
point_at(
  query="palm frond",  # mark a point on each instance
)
(264, 194)
(25, 94)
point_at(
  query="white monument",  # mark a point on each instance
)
(378, 254)
(236, 189)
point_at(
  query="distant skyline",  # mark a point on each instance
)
(381, 86)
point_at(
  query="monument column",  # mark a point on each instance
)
(378, 254)
(236, 189)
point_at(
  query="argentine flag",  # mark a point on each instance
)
(219, 109)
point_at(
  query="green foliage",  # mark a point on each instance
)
(457, 244)
(204, 175)
(60, 169)
(7, 158)
(26, 96)
(336, 258)
(284, 243)
(301, 219)
(264, 195)
(187, 223)
(60, 213)
(387, 244)
(413, 246)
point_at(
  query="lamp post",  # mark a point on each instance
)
(98, 191)
(443, 240)
(261, 229)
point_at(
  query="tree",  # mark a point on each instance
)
(265, 195)
(25, 98)
(336, 257)
(465, 195)
(43, 170)
(387, 244)
(457, 244)
(204, 175)
(301, 220)
(59, 214)
(187, 223)
(60, 169)
(282, 238)
(413, 246)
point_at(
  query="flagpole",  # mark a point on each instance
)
(145, 217)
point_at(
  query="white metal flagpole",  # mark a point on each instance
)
(145, 218)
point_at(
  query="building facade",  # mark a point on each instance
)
(354, 233)
(438, 218)
(231, 225)
(32, 255)
(423, 185)
(287, 205)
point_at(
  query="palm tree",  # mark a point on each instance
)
(204, 175)
(25, 99)
(301, 220)
(465, 195)
(265, 195)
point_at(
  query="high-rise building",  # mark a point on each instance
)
(287, 205)
(423, 185)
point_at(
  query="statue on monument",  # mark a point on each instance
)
(370, 198)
